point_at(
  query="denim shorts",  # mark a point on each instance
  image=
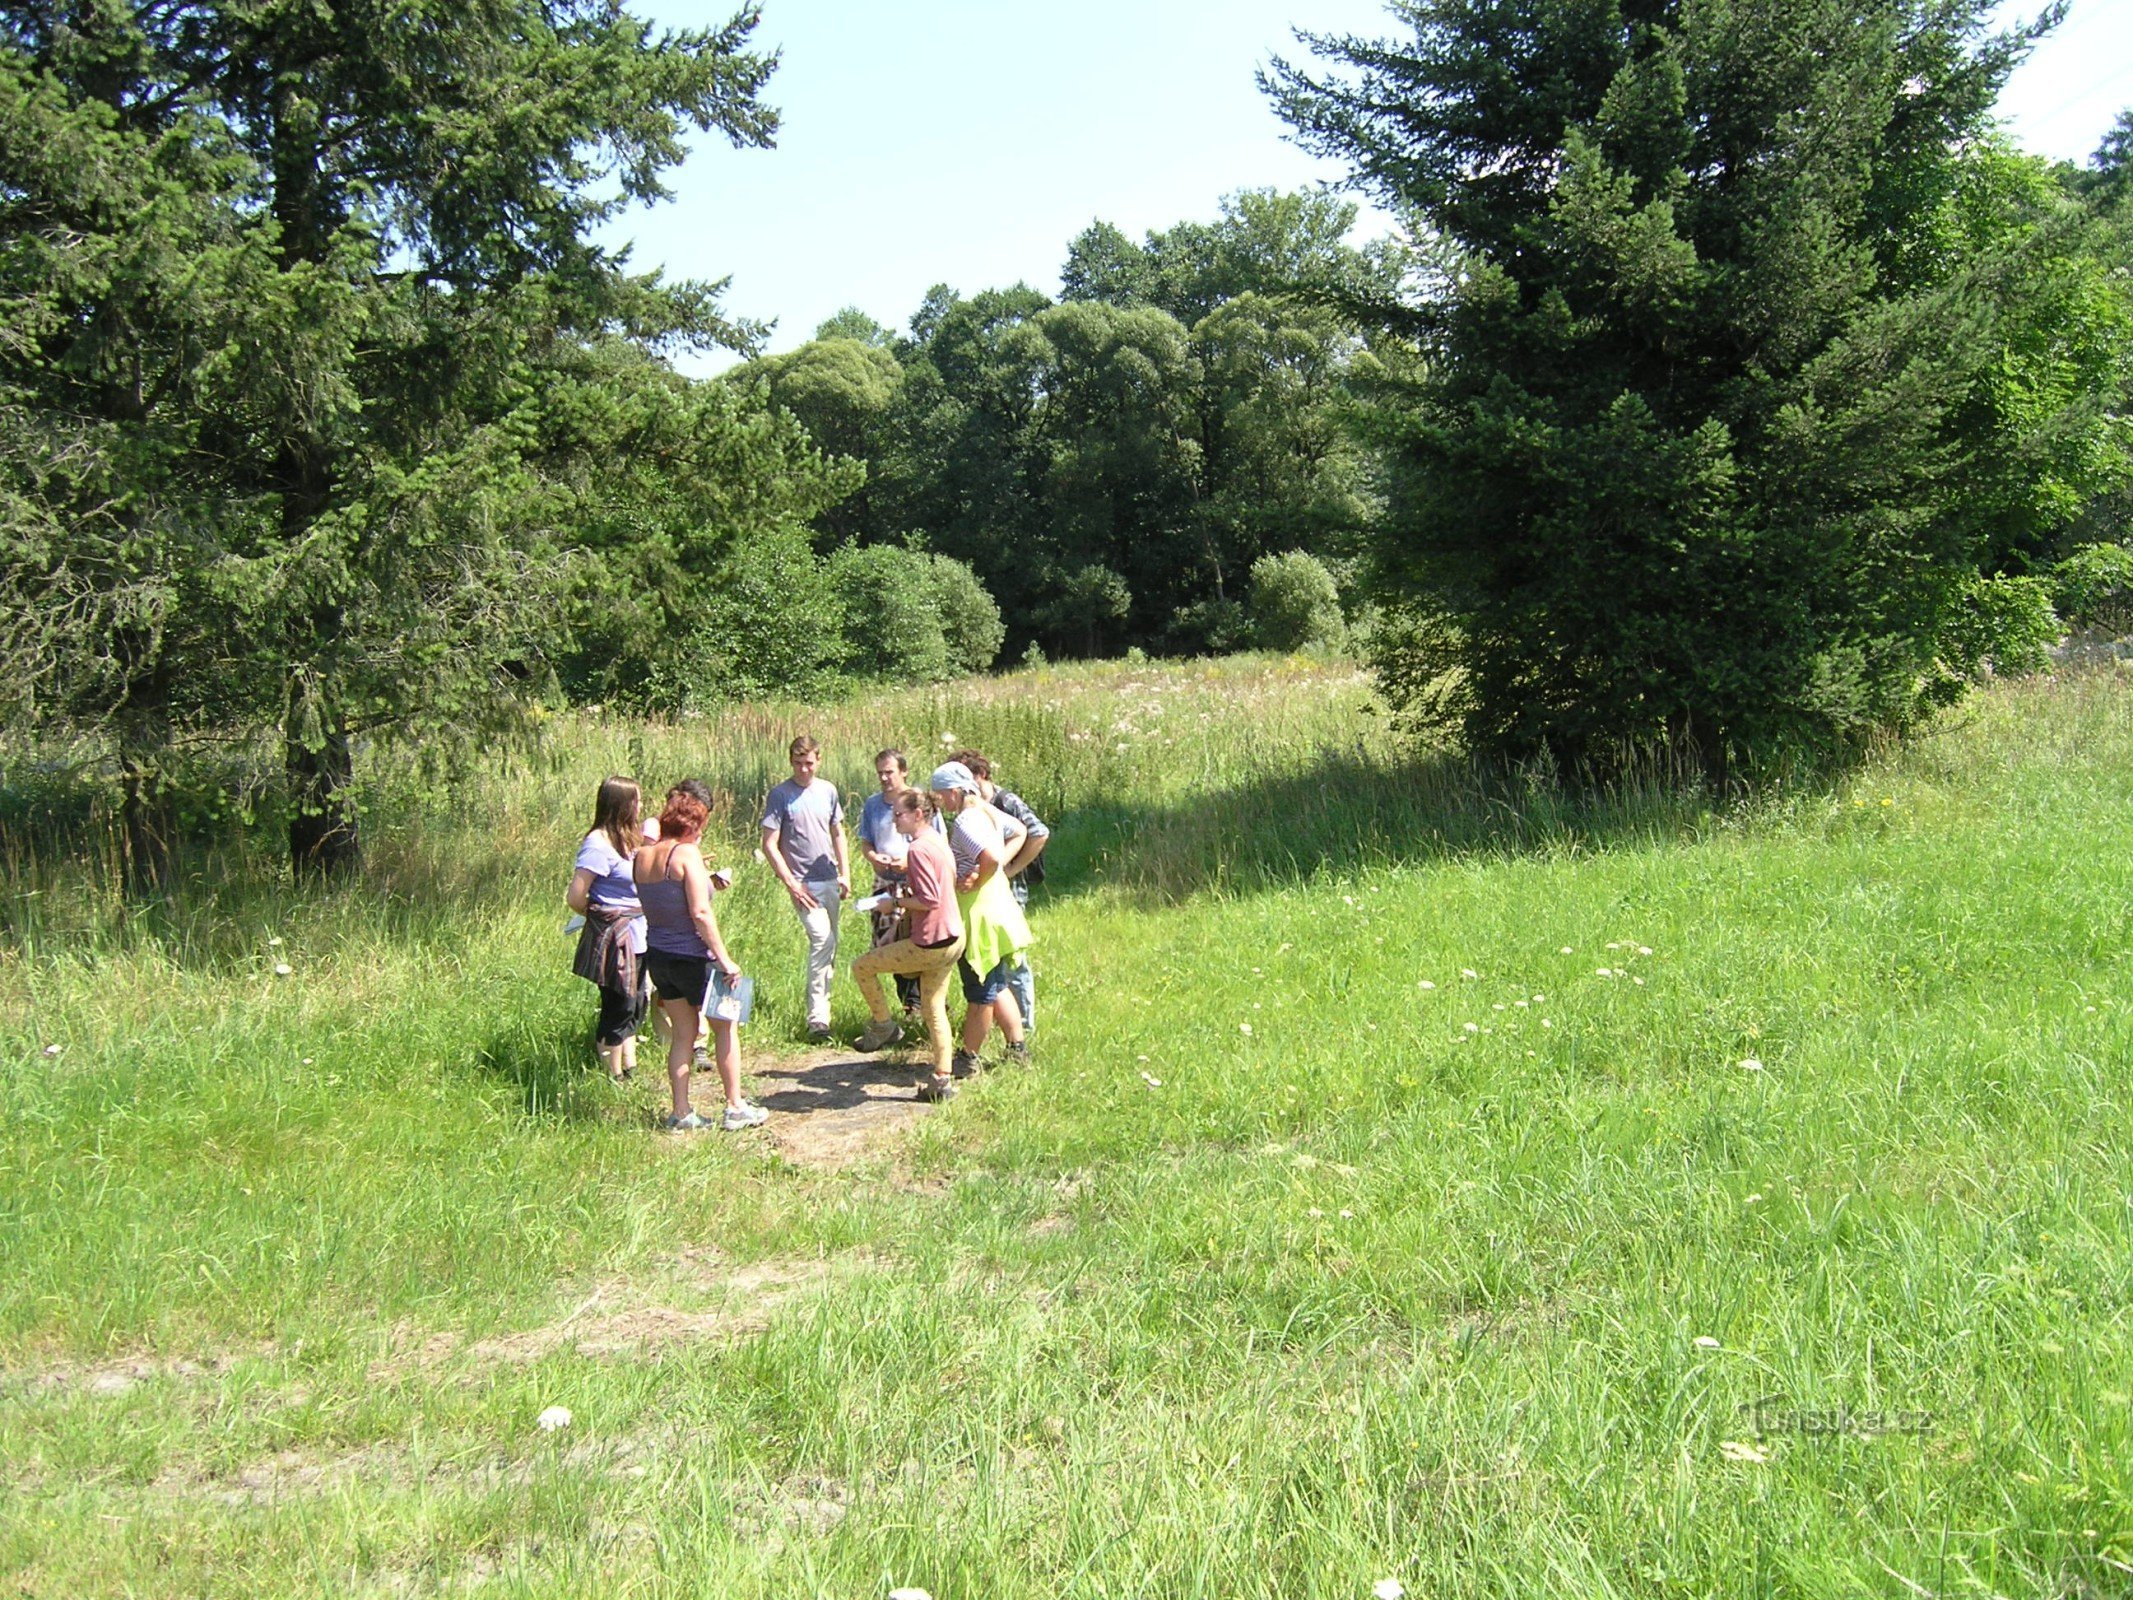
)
(984, 991)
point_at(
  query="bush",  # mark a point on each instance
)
(2094, 586)
(1214, 626)
(970, 617)
(1296, 605)
(769, 622)
(2006, 623)
(892, 614)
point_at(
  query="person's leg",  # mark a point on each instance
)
(933, 1003)
(726, 1052)
(1023, 985)
(1008, 1014)
(616, 1026)
(681, 1045)
(977, 1014)
(821, 925)
(867, 972)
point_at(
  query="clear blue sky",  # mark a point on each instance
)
(967, 141)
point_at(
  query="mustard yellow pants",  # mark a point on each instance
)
(932, 968)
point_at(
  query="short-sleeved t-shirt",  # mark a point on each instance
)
(877, 829)
(807, 821)
(977, 829)
(933, 881)
(613, 887)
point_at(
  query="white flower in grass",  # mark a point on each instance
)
(1521, 1004)
(1347, 1215)
(947, 738)
(1539, 999)
(909, 1594)
(1639, 982)
(274, 941)
(1152, 1082)
(1473, 1027)
(1753, 1199)
(1547, 1022)
(1500, 1006)
(1566, 951)
(1468, 972)
(1741, 1450)
(1425, 984)
(305, 1062)
(1751, 1065)
(282, 969)
(1614, 944)
(1245, 1028)
(51, 1051)
(1704, 1341)
(1388, 1589)
(553, 1418)
(1644, 949)
(1603, 972)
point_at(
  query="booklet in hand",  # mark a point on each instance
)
(731, 999)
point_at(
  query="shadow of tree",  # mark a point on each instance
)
(1346, 812)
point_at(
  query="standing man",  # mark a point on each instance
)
(885, 848)
(803, 840)
(1024, 868)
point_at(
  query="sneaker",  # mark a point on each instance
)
(745, 1115)
(880, 1035)
(700, 1061)
(692, 1123)
(965, 1064)
(1018, 1054)
(819, 1033)
(937, 1089)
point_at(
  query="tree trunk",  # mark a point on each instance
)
(323, 837)
(145, 826)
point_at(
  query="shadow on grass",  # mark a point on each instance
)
(553, 1070)
(844, 1083)
(1347, 812)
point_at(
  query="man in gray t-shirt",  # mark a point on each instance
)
(803, 840)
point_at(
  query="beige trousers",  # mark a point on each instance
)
(932, 968)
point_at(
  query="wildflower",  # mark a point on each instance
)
(1314, 1212)
(1521, 1004)
(1388, 1589)
(947, 738)
(1644, 949)
(1140, 1058)
(1547, 1023)
(1751, 1065)
(274, 941)
(1603, 972)
(305, 1062)
(1888, 802)
(1737, 1450)
(1468, 972)
(1753, 1199)
(1473, 1027)
(282, 969)
(1152, 1082)
(51, 1051)
(1567, 951)
(1425, 984)
(1347, 899)
(1245, 1028)
(1614, 944)
(1704, 1341)
(1499, 1006)
(909, 1594)
(553, 1418)
(1347, 1215)
(1639, 982)
(1537, 999)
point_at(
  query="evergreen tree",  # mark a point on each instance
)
(1691, 454)
(307, 299)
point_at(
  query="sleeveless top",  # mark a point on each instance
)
(669, 929)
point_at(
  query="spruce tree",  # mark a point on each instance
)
(299, 326)
(1690, 459)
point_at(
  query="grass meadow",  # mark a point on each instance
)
(1425, 1175)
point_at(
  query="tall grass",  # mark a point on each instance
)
(1352, 1224)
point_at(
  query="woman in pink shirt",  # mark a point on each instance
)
(931, 950)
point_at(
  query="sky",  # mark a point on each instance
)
(967, 142)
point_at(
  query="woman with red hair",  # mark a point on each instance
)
(682, 947)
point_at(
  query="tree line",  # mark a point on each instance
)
(1730, 385)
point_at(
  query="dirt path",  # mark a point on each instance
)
(832, 1108)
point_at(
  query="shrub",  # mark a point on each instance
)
(892, 614)
(1296, 605)
(1214, 626)
(2006, 623)
(769, 622)
(2094, 586)
(970, 617)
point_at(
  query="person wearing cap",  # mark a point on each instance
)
(803, 840)
(995, 933)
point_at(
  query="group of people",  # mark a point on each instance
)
(952, 863)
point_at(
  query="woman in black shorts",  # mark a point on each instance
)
(682, 946)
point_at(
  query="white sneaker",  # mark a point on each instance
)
(745, 1115)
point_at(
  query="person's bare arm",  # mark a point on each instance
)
(978, 876)
(1033, 844)
(843, 853)
(579, 896)
(696, 890)
(776, 858)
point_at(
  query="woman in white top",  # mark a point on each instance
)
(995, 933)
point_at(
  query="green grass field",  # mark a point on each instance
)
(1424, 1175)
